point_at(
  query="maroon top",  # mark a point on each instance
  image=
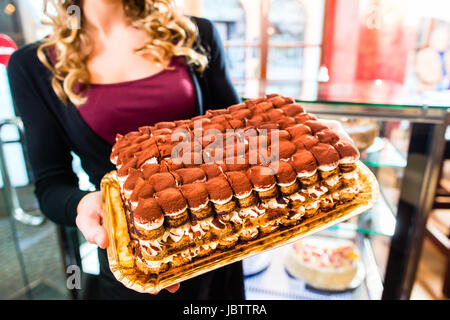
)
(125, 106)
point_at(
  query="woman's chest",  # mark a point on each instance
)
(117, 61)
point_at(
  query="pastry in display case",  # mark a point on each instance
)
(363, 131)
(325, 263)
(256, 264)
(179, 209)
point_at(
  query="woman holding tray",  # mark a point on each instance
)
(111, 66)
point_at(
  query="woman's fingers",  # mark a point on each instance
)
(173, 288)
(101, 238)
(90, 227)
(89, 219)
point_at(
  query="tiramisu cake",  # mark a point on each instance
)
(193, 187)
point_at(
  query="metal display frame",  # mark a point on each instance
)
(11, 196)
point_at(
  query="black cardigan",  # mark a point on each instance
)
(53, 130)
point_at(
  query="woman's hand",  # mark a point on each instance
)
(90, 219)
(90, 222)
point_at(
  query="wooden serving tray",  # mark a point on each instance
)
(121, 259)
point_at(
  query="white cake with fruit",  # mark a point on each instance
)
(324, 263)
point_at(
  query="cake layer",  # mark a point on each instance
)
(230, 175)
(245, 224)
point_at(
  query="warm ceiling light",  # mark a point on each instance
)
(9, 9)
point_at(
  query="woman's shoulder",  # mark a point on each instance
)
(25, 58)
(203, 24)
(27, 75)
(205, 28)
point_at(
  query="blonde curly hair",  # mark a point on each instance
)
(169, 34)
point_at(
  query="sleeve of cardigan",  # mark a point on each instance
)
(56, 185)
(223, 92)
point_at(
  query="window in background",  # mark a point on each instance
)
(286, 24)
(230, 22)
(286, 32)
(32, 15)
(267, 42)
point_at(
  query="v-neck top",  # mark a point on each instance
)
(119, 108)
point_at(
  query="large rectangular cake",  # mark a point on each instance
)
(192, 187)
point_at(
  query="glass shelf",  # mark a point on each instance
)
(374, 93)
(379, 220)
(382, 153)
(380, 93)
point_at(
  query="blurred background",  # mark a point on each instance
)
(381, 67)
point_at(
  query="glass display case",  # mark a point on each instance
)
(405, 147)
